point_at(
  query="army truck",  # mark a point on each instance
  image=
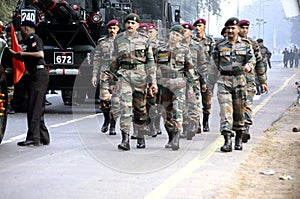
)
(70, 30)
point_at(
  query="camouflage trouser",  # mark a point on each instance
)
(132, 88)
(104, 91)
(251, 90)
(232, 92)
(172, 98)
(192, 108)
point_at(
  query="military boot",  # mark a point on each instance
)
(199, 129)
(170, 137)
(106, 122)
(125, 142)
(157, 125)
(141, 139)
(112, 128)
(191, 129)
(238, 140)
(246, 134)
(175, 140)
(205, 122)
(227, 147)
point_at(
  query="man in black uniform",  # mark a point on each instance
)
(33, 57)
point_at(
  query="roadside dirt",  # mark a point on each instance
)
(278, 151)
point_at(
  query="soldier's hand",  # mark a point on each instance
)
(15, 54)
(203, 88)
(264, 88)
(112, 89)
(247, 68)
(190, 92)
(94, 81)
(153, 89)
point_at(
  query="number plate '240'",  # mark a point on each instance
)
(65, 58)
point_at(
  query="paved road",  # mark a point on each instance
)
(81, 162)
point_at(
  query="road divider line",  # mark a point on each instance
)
(163, 189)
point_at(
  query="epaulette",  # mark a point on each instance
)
(101, 39)
(120, 35)
(220, 41)
(246, 40)
(143, 35)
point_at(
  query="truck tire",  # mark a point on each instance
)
(3, 104)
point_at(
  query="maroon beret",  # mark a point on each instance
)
(113, 22)
(244, 22)
(188, 26)
(200, 20)
(144, 26)
(152, 26)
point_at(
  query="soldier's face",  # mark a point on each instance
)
(152, 34)
(131, 26)
(187, 33)
(199, 28)
(113, 30)
(175, 37)
(232, 31)
(244, 31)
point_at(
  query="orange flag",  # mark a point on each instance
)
(17, 65)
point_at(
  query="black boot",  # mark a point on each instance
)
(192, 128)
(125, 142)
(141, 139)
(106, 122)
(175, 140)
(199, 129)
(246, 134)
(227, 147)
(157, 125)
(170, 137)
(205, 122)
(112, 128)
(238, 140)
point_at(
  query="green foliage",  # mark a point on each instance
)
(6, 10)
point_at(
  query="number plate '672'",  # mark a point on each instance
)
(65, 58)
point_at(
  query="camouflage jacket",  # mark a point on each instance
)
(229, 57)
(198, 57)
(177, 61)
(208, 44)
(134, 52)
(259, 66)
(103, 55)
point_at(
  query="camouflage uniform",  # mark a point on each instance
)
(208, 44)
(153, 110)
(193, 107)
(102, 58)
(175, 65)
(232, 88)
(135, 68)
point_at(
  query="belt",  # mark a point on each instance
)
(232, 73)
(131, 66)
(172, 75)
(40, 66)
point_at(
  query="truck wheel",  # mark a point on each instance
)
(3, 105)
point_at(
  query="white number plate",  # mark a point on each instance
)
(65, 58)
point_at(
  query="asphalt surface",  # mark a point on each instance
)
(81, 162)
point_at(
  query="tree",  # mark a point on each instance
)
(6, 10)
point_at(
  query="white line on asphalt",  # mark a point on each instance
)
(164, 188)
(22, 136)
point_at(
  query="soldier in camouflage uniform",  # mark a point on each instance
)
(176, 66)
(153, 109)
(102, 58)
(259, 71)
(233, 57)
(266, 56)
(134, 65)
(193, 108)
(208, 42)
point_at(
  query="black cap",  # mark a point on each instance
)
(233, 21)
(28, 23)
(260, 40)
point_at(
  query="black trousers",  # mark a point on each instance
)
(37, 88)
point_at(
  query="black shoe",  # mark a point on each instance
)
(205, 122)
(44, 142)
(227, 147)
(47, 103)
(125, 142)
(246, 135)
(141, 143)
(238, 141)
(29, 143)
(175, 141)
